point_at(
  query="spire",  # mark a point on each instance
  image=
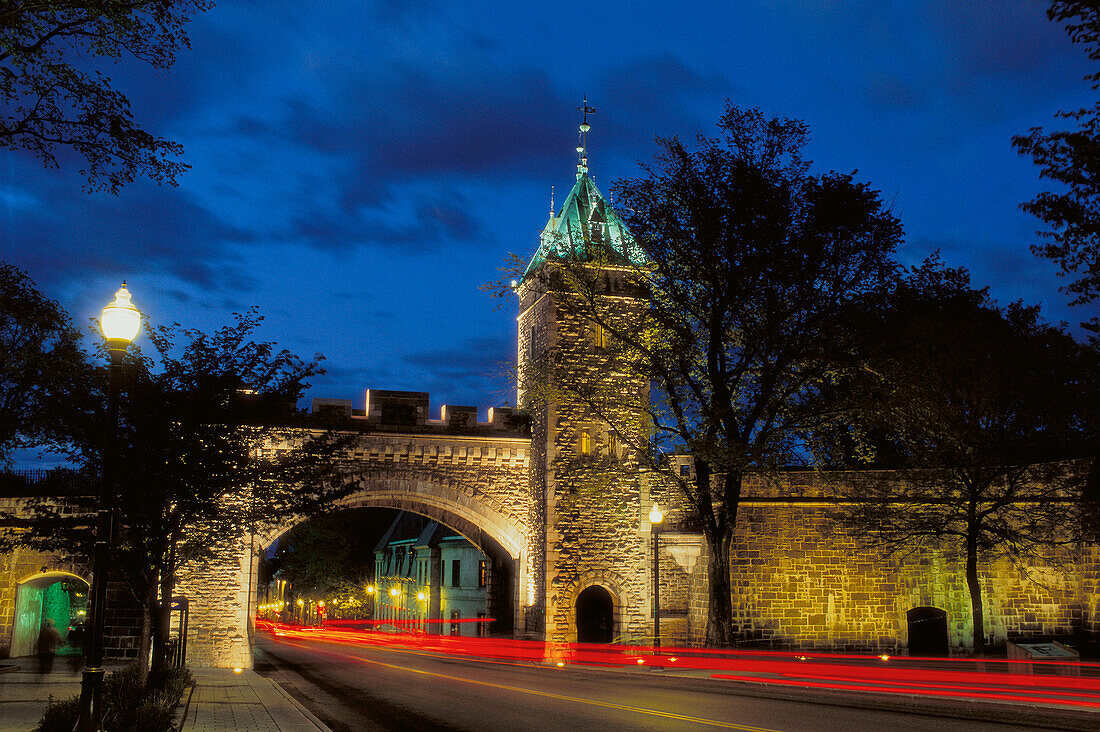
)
(587, 222)
(582, 142)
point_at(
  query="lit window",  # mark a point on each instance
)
(599, 336)
(482, 573)
(481, 625)
(613, 445)
(455, 617)
(586, 442)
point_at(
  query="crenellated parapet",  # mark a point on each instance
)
(407, 411)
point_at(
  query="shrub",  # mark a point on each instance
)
(128, 706)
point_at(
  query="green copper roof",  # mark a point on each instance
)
(585, 225)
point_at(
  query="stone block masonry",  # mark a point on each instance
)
(802, 579)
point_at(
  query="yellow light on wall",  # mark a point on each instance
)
(120, 320)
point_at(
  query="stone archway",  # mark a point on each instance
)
(478, 486)
(40, 597)
(595, 615)
(570, 606)
(477, 521)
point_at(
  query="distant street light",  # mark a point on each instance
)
(656, 516)
(120, 322)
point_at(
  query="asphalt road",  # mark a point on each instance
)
(356, 688)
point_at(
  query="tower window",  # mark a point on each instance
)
(532, 341)
(613, 445)
(599, 336)
(586, 442)
(455, 573)
(482, 573)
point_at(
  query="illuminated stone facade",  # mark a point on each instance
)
(801, 579)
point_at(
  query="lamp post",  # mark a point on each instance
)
(656, 516)
(120, 322)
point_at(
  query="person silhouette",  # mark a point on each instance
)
(48, 640)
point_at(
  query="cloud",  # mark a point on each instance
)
(146, 228)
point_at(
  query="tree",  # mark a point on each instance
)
(41, 364)
(748, 265)
(1072, 158)
(981, 407)
(197, 424)
(330, 553)
(49, 99)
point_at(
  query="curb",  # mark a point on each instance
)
(183, 707)
(305, 712)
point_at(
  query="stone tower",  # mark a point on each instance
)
(589, 499)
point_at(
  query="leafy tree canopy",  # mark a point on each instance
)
(41, 364)
(752, 268)
(975, 404)
(50, 99)
(1072, 158)
(210, 446)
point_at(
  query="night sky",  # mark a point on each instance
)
(360, 168)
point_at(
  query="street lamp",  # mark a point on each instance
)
(120, 322)
(656, 516)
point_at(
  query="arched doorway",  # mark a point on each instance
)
(59, 597)
(595, 615)
(927, 631)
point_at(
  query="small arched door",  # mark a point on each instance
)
(595, 616)
(927, 631)
(56, 596)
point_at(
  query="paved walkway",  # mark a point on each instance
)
(220, 700)
(224, 701)
(25, 693)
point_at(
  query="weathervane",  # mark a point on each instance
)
(582, 143)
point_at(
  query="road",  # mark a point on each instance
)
(354, 688)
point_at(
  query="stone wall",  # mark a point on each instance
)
(801, 578)
(219, 626)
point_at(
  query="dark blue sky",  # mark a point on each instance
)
(360, 168)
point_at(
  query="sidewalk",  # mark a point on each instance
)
(224, 701)
(219, 701)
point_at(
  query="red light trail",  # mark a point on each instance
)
(1052, 683)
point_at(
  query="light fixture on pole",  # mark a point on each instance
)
(656, 516)
(120, 322)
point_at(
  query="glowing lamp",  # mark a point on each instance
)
(393, 592)
(238, 670)
(421, 596)
(370, 589)
(300, 602)
(120, 321)
(656, 515)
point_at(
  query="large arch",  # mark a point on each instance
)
(455, 507)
